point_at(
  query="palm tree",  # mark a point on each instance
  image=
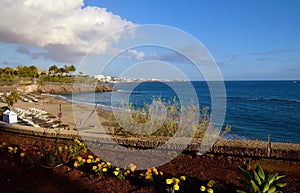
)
(33, 71)
(9, 101)
(53, 69)
(72, 69)
(12, 98)
(61, 71)
(9, 70)
(66, 69)
(20, 70)
(15, 95)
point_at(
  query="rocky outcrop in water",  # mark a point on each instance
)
(57, 88)
(70, 88)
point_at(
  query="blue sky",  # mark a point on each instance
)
(250, 40)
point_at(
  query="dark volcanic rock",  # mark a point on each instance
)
(70, 88)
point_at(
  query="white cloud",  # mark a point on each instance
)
(63, 29)
(130, 54)
(136, 54)
(196, 53)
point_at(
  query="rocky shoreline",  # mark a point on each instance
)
(51, 88)
(72, 88)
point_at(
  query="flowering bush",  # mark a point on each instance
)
(208, 188)
(62, 152)
(96, 166)
(173, 184)
(74, 153)
(46, 154)
(151, 175)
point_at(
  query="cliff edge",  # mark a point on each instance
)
(72, 88)
(57, 88)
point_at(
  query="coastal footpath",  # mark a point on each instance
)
(240, 148)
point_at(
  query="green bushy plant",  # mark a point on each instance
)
(258, 181)
(162, 119)
(12, 98)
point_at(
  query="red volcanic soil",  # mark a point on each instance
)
(14, 177)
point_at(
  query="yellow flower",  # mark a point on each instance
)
(116, 173)
(155, 171)
(83, 160)
(202, 188)
(22, 154)
(97, 159)
(94, 167)
(147, 177)
(79, 159)
(88, 161)
(176, 187)
(183, 178)
(76, 141)
(169, 181)
(108, 163)
(12, 150)
(104, 170)
(90, 157)
(76, 164)
(148, 170)
(99, 165)
(211, 183)
(161, 173)
(176, 180)
(132, 167)
(209, 190)
(117, 169)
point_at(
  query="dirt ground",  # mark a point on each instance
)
(198, 170)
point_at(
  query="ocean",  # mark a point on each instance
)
(254, 110)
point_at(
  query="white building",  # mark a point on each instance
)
(103, 78)
(10, 117)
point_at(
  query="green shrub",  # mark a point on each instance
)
(161, 119)
(259, 182)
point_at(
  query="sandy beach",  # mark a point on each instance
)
(50, 105)
(73, 115)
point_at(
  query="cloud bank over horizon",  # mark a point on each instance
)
(63, 31)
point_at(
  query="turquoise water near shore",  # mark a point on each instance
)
(254, 108)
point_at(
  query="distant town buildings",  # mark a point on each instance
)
(103, 78)
(110, 79)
